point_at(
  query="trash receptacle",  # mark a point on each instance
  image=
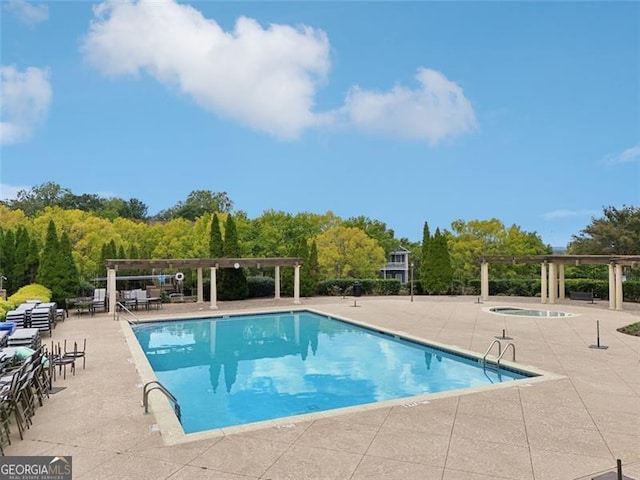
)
(357, 289)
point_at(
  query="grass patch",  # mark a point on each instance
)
(633, 329)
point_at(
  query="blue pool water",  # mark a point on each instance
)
(244, 369)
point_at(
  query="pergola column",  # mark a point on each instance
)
(618, 287)
(484, 280)
(277, 282)
(200, 286)
(561, 284)
(612, 287)
(214, 287)
(543, 282)
(296, 284)
(111, 289)
(553, 283)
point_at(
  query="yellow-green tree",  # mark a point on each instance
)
(347, 252)
(12, 219)
(470, 240)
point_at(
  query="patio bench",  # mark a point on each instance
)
(581, 296)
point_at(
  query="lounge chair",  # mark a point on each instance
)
(141, 298)
(99, 300)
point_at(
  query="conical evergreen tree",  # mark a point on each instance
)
(69, 279)
(20, 272)
(423, 272)
(7, 261)
(33, 261)
(234, 280)
(216, 247)
(439, 270)
(48, 271)
(112, 250)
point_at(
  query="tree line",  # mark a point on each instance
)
(331, 247)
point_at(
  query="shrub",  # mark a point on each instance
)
(28, 292)
(261, 286)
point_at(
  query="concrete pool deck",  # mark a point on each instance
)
(571, 427)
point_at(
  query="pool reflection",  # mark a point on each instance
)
(233, 371)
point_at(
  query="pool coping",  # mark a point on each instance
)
(171, 429)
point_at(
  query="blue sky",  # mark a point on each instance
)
(403, 112)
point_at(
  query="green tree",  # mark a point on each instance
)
(7, 261)
(424, 249)
(233, 284)
(474, 239)
(49, 269)
(617, 232)
(33, 201)
(301, 250)
(312, 278)
(347, 252)
(374, 229)
(67, 270)
(197, 203)
(33, 261)
(216, 246)
(439, 274)
(20, 273)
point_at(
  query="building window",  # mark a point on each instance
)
(397, 258)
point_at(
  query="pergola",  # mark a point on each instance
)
(552, 283)
(200, 263)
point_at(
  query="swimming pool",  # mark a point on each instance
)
(528, 312)
(230, 371)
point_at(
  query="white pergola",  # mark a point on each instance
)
(552, 273)
(213, 264)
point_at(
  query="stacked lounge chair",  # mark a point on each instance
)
(42, 317)
(17, 316)
(25, 337)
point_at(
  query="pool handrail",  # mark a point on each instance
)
(155, 385)
(120, 305)
(510, 344)
(484, 358)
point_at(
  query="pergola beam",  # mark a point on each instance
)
(213, 264)
(626, 260)
(178, 263)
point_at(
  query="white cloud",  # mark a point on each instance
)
(25, 99)
(265, 78)
(627, 156)
(436, 110)
(565, 213)
(10, 192)
(27, 12)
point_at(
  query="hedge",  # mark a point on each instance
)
(531, 287)
(369, 286)
(261, 286)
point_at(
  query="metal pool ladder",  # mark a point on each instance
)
(501, 352)
(155, 385)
